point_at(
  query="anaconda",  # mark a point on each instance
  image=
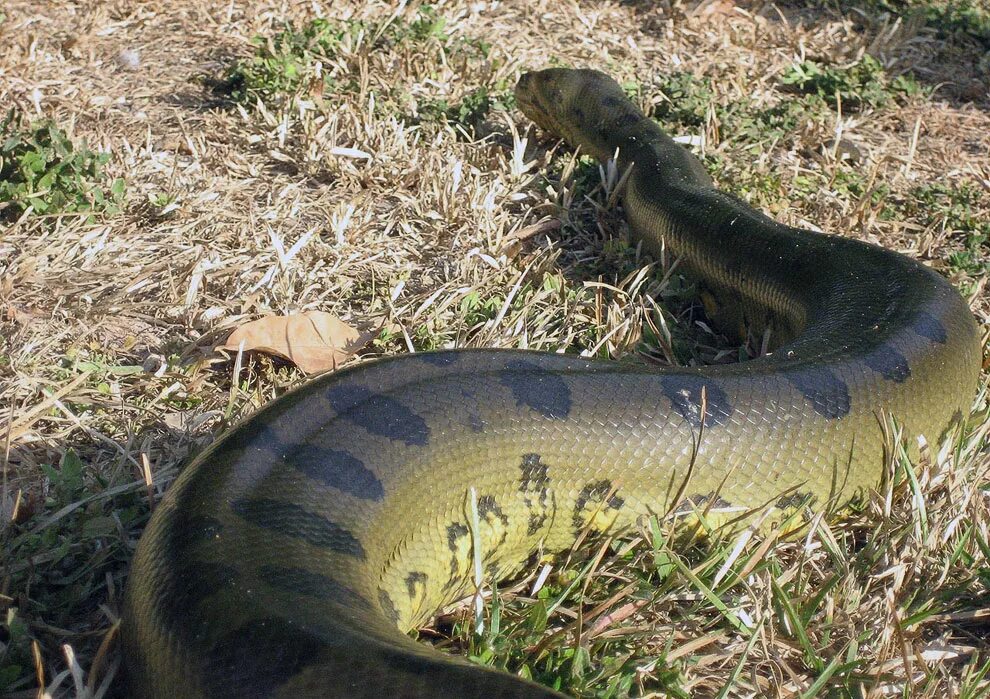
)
(289, 559)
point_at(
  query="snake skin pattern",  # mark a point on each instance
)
(290, 558)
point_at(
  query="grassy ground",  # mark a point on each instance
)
(371, 163)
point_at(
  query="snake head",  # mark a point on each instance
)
(584, 107)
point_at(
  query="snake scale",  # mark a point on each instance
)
(290, 557)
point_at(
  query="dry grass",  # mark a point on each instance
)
(355, 201)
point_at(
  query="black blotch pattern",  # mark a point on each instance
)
(379, 414)
(930, 327)
(890, 364)
(611, 102)
(535, 473)
(454, 532)
(250, 435)
(577, 113)
(257, 658)
(827, 393)
(534, 483)
(487, 505)
(306, 582)
(337, 469)
(535, 522)
(292, 520)
(388, 607)
(543, 391)
(413, 579)
(592, 494)
(684, 393)
(439, 358)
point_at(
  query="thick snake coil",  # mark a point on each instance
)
(289, 559)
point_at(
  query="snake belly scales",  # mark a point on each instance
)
(289, 559)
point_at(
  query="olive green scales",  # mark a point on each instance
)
(291, 557)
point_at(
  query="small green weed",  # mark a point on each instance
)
(686, 99)
(951, 19)
(470, 111)
(865, 83)
(289, 61)
(428, 25)
(42, 169)
(960, 17)
(958, 209)
(300, 58)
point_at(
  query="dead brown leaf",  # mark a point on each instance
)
(314, 341)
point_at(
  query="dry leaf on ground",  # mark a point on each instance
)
(314, 341)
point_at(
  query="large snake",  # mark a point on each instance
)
(289, 559)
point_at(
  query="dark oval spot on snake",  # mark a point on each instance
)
(257, 658)
(454, 532)
(337, 469)
(413, 579)
(535, 387)
(379, 414)
(310, 584)
(930, 327)
(253, 434)
(534, 474)
(889, 363)
(290, 519)
(591, 495)
(487, 505)
(827, 393)
(684, 391)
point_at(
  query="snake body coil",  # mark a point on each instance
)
(287, 560)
